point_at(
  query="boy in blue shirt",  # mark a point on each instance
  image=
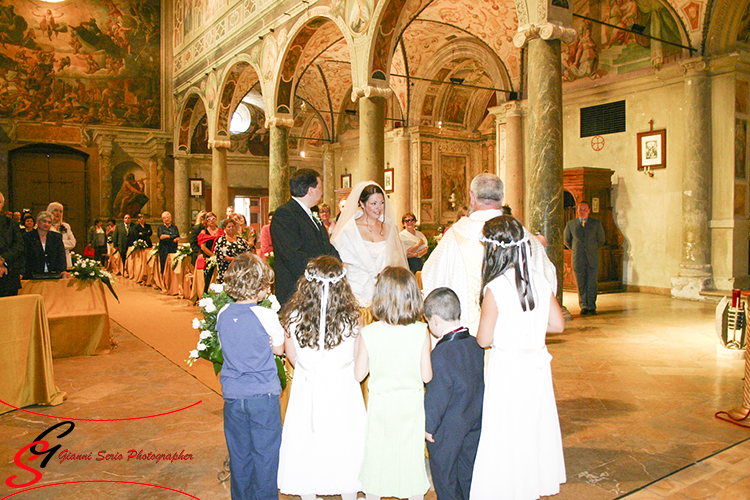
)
(249, 380)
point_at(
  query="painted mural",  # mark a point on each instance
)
(743, 35)
(602, 50)
(85, 62)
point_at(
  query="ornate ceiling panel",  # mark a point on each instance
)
(324, 37)
(339, 79)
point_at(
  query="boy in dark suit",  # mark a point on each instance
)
(453, 400)
(297, 235)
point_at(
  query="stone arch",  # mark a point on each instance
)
(288, 66)
(192, 109)
(238, 79)
(461, 49)
(723, 24)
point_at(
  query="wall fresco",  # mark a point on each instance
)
(85, 62)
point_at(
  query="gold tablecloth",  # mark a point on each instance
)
(175, 279)
(114, 263)
(77, 313)
(150, 269)
(136, 264)
(26, 371)
(199, 283)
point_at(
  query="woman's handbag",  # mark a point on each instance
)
(200, 262)
(89, 251)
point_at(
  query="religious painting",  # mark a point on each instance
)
(196, 187)
(455, 107)
(743, 34)
(693, 13)
(611, 49)
(358, 13)
(740, 200)
(346, 181)
(426, 151)
(129, 182)
(87, 62)
(426, 182)
(652, 149)
(199, 141)
(428, 105)
(740, 97)
(740, 148)
(452, 183)
(388, 180)
(428, 213)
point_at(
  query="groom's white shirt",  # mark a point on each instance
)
(456, 263)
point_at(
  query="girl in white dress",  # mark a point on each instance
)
(322, 442)
(366, 237)
(520, 454)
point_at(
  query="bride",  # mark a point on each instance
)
(366, 237)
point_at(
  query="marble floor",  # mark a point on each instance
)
(637, 388)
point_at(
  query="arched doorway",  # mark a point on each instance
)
(42, 173)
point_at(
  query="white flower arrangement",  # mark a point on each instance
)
(208, 346)
(183, 251)
(85, 269)
(153, 253)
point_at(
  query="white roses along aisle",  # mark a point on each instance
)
(209, 347)
(85, 270)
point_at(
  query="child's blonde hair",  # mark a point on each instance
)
(397, 299)
(247, 276)
(302, 312)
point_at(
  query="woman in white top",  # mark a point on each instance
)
(366, 237)
(69, 241)
(415, 243)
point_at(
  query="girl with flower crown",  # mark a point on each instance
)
(324, 429)
(520, 455)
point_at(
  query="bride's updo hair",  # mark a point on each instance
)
(369, 191)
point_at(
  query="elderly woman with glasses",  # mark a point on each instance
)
(414, 242)
(45, 253)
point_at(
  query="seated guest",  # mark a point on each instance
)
(11, 254)
(143, 231)
(27, 222)
(169, 237)
(97, 238)
(45, 252)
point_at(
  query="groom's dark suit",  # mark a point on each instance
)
(296, 241)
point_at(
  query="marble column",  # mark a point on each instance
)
(401, 197)
(371, 139)
(509, 147)
(545, 175)
(278, 163)
(181, 199)
(106, 146)
(329, 178)
(695, 269)
(161, 188)
(219, 183)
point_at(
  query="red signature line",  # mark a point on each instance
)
(100, 419)
(101, 481)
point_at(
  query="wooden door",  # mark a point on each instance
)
(39, 177)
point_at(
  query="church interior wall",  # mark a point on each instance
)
(647, 210)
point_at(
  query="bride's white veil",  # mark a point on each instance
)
(352, 210)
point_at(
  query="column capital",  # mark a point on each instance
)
(545, 31)
(695, 65)
(180, 154)
(507, 109)
(370, 91)
(280, 121)
(220, 143)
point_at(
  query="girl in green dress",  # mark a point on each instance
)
(395, 351)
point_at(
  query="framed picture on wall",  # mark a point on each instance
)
(388, 180)
(346, 181)
(196, 187)
(652, 149)
(194, 214)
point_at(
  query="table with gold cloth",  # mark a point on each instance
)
(26, 371)
(114, 263)
(199, 284)
(177, 281)
(137, 264)
(77, 313)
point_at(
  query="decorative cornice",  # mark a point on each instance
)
(370, 91)
(694, 65)
(546, 31)
(508, 108)
(279, 121)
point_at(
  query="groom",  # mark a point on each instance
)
(297, 236)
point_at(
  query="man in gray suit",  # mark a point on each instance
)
(584, 236)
